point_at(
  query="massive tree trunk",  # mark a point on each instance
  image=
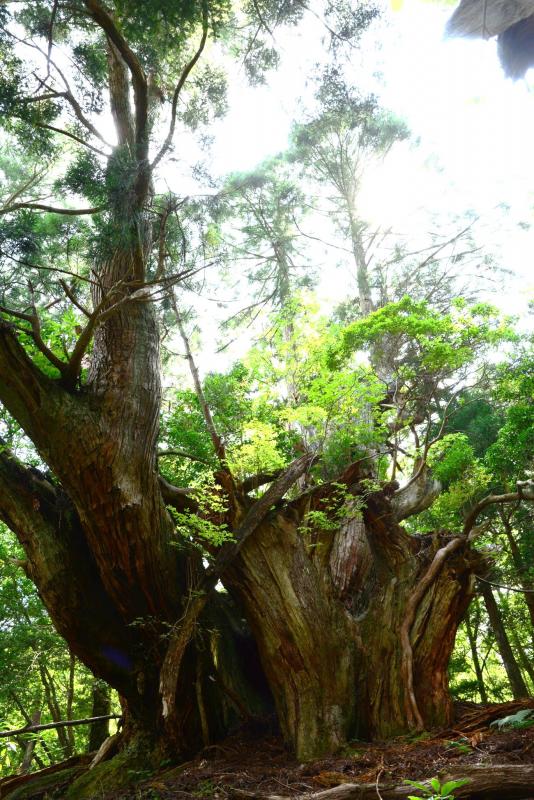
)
(342, 635)
(97, 535)
(349, 643)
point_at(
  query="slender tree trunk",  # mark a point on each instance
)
(526, 664)
(517, 684)
(360, 260)
(472, 637)
(101, 706)
(30, 746)
(520, 567)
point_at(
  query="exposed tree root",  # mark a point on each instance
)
(80, 762)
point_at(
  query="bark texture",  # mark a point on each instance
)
(328, 609)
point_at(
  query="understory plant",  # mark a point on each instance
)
(436, 790)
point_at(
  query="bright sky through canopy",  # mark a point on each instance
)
(475, 129)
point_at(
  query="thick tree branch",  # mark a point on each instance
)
(69, 212)
(140, 85)
(180, 499)
(416, 496)
(63, 569)
(30, 397)
(525, 491)
(253, 482)
(119, 97)
(35, 333)
(179, 86)
(257, 514)
(413, 714)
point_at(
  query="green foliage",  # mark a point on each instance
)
(259, 214)
(460, 746)
(464, 479)
(510, 456)
(426, 339)
(478, 418)
(524, 718)
(335, 508)
(35, 667)
(451, 457)
(206, 525)
(348, 128)
(258, 451)
(450, 507)
(436, 790)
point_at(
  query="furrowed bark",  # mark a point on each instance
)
(64, 571)
(353, 589)
(200, 592)
(298, 626)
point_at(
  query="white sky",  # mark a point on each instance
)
(475, 130)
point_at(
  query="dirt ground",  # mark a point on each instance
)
(259, 763)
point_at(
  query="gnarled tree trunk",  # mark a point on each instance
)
(328, 608)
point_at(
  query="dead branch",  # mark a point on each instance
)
(49, 725)
(507, 588)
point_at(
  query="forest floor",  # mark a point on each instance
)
(258, 765)
(253, 764)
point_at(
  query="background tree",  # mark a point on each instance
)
(335, 147)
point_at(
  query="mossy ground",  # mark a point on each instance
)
(51, 787)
